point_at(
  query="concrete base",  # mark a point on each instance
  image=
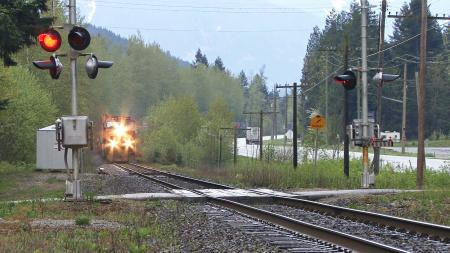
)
(73, 189)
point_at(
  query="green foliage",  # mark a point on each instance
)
(20, 21)
(178, 133)
(82, 220)
(29, 109)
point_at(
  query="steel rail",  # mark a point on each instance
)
(354, 243)
(201, 182)
(432, 230)
(413, 226)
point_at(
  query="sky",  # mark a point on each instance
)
(248, 35)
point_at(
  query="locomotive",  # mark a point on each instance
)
(118, 138)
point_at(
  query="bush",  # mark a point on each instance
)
(83, 221)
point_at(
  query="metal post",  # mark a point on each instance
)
(294, 126)
(76, 192)
(235, 146)
(286, 116)
(421, 99)
(358, 92)
(345, 121)
(405, 87)
(366, 177)
(220, 150)
(261, 135)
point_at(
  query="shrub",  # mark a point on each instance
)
(83, 221)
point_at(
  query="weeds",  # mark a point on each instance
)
(83, 220)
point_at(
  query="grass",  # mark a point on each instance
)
(430, 143)
(430, 206)
(327, 174)
(21, 181)
(143, 229)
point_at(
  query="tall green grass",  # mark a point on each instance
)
(328, 173)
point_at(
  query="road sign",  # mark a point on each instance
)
(318, 122)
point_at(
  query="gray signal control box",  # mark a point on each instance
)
(74, 131)
(355, 131)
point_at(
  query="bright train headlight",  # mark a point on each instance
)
(120, 130)
(113, 144)
(128, 143)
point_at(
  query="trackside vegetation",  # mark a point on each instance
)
(327, 174)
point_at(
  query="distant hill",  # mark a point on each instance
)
(96, 31)
(116, 39)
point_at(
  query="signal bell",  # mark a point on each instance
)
(50, 40)
(53, 65)
(93, 64)
(79, 38)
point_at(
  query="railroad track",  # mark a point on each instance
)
(336, 241)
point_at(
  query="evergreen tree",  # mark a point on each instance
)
(200, 59)
(218, 64)
(20, 22)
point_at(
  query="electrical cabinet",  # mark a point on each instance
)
(75, 131)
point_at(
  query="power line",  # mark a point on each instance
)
(201, 30)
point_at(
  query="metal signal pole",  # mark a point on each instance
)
(73, 74)
(366, 177)
(345, 121)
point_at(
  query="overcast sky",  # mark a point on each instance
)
(246, 34)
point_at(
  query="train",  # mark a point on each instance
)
(118, 138)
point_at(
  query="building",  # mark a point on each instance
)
(395, 136)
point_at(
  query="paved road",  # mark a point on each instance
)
(398, 162)
(437, 152)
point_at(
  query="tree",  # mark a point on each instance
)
(218, 64)
(20, 22)
(243, 78)
(200, 59)
(29, 109)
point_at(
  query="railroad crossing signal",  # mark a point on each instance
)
(50, 40)
(93, 64)
(348, 80)
(54, 66)
(79, 39)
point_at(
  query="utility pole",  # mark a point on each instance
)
(261, 114)
(274, 116)
(367, 179)
(421, 100)
(405, 87)
(286, 115)
(235, 131)
(376, 150)
(326, 97)
(294, 123)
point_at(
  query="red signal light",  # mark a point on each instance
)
(50, 40)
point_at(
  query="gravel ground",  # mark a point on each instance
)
(202, 232)
(58, 224)
(111, 185)
(404, 241)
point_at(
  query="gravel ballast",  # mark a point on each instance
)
(406, 241)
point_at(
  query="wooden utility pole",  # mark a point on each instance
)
(421, 100)
(274, 116)
(326, 97)
(294, 123)
(376, 150)
(235, 131)
(405, 87)
(261, 114)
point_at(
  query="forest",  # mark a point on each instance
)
(182, 105)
